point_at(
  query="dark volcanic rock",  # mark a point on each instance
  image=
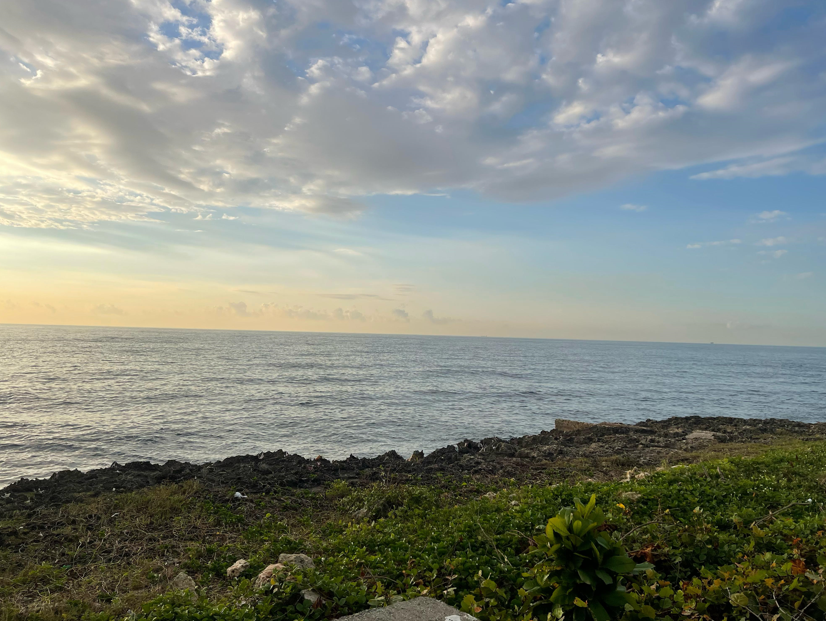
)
(536, 456)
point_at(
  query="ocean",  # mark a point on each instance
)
(83, 397)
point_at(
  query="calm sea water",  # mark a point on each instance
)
(85, 397)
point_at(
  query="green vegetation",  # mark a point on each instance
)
(738, 538)
(582, 576)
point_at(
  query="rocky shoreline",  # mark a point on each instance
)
(604, 450)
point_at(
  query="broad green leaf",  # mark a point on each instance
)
(586, 577)
(620, 564)
(558, 524)
(604, 576)
(596, 553)
(469, 604)
(599, 612)
(617, 599)
(558, 596)
(591, 504)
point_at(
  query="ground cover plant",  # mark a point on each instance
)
(737, 538)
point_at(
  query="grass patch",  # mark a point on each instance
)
(758, 508)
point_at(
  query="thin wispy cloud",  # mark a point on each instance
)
(775, 254)
(404, 289)
(352, 296)
(632, 207)
(773, 241)
(765, 217)
(774, 167)
(108, 309)
(710, 244)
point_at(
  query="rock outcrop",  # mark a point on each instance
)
(237, 568)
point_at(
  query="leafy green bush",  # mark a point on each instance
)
(582, 574)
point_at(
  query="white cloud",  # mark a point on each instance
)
(776, 254)
(632, 207)
(126, 110)
(803, 275)
(726, 242)
(400, 313)
(773, 241)
(239, 309)
(770, 216)
(430, 317)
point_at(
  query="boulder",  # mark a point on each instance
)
(263, 579)
(182, 582)
(238, 568)
(300, 561)
(701, 436)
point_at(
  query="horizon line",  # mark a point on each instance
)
(402, 334)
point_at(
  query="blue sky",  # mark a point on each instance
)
(553, 168)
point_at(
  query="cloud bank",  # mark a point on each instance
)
(121, 109)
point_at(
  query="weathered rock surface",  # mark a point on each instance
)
(300, 561)
(419, 609)
(617, 447)
(263, 579)
(237, 568)
(183, 582)
(310, 595)
(562, 424)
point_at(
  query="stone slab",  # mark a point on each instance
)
(562, 424)
(419, 609)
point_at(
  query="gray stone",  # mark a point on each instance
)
(419, 609)
(182, 582)
(701, 436)
(300, 561)
(238, 568)
(310, 596)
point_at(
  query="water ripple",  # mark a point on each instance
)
(85, 397)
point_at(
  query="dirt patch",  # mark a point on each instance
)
(605, 449)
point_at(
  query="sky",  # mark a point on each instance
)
(588, 169)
